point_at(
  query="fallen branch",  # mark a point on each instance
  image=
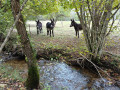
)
(10, 31)
(96, 67)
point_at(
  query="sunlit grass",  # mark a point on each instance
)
(64, 37)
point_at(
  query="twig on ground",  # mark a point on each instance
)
(81, 64)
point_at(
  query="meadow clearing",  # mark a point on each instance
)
(65, 38)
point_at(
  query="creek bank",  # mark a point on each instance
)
(107, 62)
(60, 54)
(57, 75)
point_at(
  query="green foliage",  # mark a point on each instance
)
(39, 7)
(6, 18)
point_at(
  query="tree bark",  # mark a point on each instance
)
(33, 73)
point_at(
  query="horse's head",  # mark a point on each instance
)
(72, 22)
(37, 21)
(52, 22)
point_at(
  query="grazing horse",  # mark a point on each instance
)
(77, 27)
(50, 27)
(39, 26)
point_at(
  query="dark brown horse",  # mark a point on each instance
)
(76, 26)
(39, 27)
(50, 27)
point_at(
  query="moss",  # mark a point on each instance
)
(33, 77)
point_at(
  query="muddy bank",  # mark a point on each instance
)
(107, 61)
(110, 70)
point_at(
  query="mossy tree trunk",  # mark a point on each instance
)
(33, 73)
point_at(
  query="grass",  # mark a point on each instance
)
(64, 37)
(10, 78)
(7, 71)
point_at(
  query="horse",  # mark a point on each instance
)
(50, 27)
(76, 26)
(39, 27)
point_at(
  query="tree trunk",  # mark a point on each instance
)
(33, 73)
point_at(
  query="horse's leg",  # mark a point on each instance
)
(37, 31)
(78, 34)
(53, 33)
(40, 30)
(47, 32)
(50, 33)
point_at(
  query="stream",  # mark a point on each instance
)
(60, 76)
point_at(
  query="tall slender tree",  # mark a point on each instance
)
(33, 73)
(95, 17)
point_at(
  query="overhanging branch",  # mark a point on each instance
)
(115, 12)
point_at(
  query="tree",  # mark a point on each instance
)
(58, 15)
(40, 7)
(33, 73)
(95, 16)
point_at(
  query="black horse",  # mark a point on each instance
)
(39, 27)
(77, 27)
(50, 27)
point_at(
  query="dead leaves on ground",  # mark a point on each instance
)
(11, 84)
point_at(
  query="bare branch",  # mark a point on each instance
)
(115, 12)
(100, 4)
(89, 8)
(76, 10)
(111, 27)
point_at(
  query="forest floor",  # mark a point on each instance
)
(65, 41)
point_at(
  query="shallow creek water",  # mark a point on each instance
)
(60, 76)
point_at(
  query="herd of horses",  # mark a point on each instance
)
(50, 27)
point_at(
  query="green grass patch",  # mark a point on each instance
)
(7, 71)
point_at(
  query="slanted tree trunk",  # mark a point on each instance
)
(33, 73)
